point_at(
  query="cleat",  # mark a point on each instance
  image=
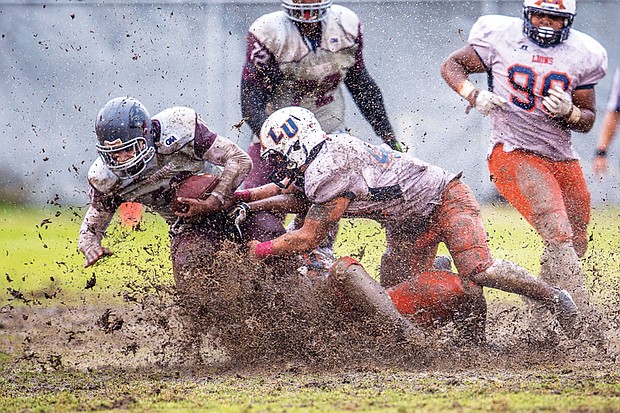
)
(566, 313)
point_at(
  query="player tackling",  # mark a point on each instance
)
(420, 205)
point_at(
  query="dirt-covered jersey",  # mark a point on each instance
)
(385, 185)
(298, 73)
(184, 146)
(522, 72)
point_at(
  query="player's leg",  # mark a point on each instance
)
(434, 298)
(576, 196)
(190, 250)
(462, 229)
(529, 183)
(430, 296)
(401, 260)
(350, 281)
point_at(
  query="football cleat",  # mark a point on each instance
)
(566, 313)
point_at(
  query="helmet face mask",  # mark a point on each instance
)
(290, 139)
(125, 142)
(547, 36)
(310, 12)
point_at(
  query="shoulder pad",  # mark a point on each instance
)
(345, 17)
(491, 24)
(178, 128)
(102, 178)
(270, 26)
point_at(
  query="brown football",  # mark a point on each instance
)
(196, 186)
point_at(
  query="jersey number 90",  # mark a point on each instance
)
(524, 82)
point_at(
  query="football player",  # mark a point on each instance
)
(306, 55)
(541, 74)
(610, 127)
(420, 205)
(140, 159)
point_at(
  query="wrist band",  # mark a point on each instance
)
(466, 88)
(601, 153)
(243, 195)
(264, 249)
(575, 115)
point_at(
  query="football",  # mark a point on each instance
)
(196, 186)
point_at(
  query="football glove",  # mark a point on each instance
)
(558, 103)
(487, 102)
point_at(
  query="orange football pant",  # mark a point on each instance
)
(551, 195)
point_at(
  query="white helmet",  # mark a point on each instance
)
(546, 36)
(290, 138)
(311, 12)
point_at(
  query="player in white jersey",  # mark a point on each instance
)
(420, 205)
(610, 127)
(541, 75)
(305, 55)
(140, 160)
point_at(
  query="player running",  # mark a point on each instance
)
(420, 205)
(541, 74)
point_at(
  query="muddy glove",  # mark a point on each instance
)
(487, 102)
(558, 103)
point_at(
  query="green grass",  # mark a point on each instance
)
(388, 391)
(40, 255)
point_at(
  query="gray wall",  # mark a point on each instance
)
(61, 61)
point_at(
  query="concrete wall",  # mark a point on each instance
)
(61, 61)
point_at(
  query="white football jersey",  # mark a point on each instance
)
(522, 72)
(175, 154)
(312, 77)
(383, 184)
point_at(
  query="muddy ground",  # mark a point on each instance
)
(256, 319)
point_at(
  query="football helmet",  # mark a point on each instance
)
(124, 135)
(290, 138)
(310, 12)
(546, 36)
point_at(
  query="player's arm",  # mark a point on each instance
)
(289, 203)
(263, 191)
(456, 69)
(320, 219)
(610, 127)
(369, 99)
(576, 112)
(94, 225)
(260, 74)
(236, 164)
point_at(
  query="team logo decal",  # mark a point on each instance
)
(289, 128)
(558, 3)
(170, 140)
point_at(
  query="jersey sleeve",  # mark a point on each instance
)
(481, 37)
(594, 61)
